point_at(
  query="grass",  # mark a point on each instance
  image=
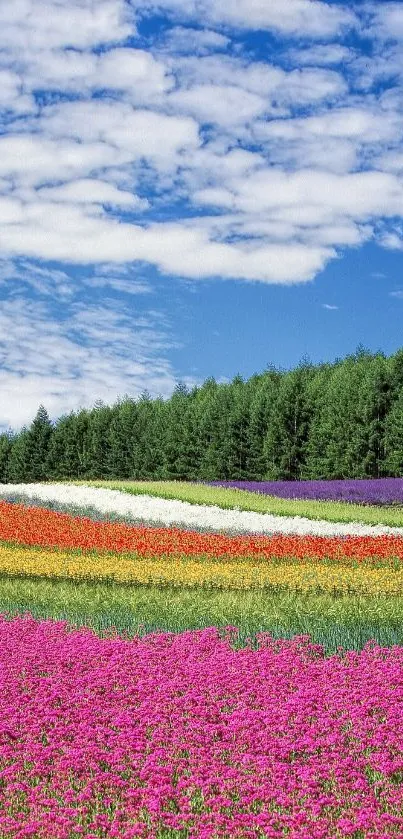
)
(230, 499)
(346, 621)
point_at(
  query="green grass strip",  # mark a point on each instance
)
(229, 499)
(347, 621)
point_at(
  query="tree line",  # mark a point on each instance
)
(332, 420)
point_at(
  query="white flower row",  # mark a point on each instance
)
(190, 516)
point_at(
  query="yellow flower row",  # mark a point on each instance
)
(186, 571)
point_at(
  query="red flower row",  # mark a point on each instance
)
(39, 526)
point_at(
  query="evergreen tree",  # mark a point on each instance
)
(262, 399)
(40, 434)
(98, 438)
(6, 445)
(393, 439)
(316, 464)
(204, 418)
(28, 457)
(286, 442)
(373, 406)
(214, 426)
(148, 452)
(236, 463)
(176, 463)
(19, 460)
(122, 439)
(65, 455)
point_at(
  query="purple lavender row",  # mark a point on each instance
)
(377, 491)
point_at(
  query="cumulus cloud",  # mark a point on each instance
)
(296, 17)
(387, 20)
(33, 25)
(124, 133)
(92, 191)
(320, 54)
(133, 72)
(187, 40)
(85, 171)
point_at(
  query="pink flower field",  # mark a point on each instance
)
(180, 735)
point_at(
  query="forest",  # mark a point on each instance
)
(331, 420)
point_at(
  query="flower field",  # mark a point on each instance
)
(175, 667)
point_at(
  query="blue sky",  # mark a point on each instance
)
(194, 188)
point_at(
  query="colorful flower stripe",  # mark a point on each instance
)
(258, 515)
(36, 526)
(188, 571)
(123, 739)
(378, 491)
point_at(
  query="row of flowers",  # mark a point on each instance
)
(379, 491)
(182, 732)
(188, 571)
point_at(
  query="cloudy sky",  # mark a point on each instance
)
(194, 188)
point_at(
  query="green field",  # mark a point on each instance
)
(348, 621)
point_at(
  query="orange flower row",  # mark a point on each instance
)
(38, 526)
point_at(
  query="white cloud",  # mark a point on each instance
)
(274, 85)
(92, 191)
(65, 285)
(125, 133)
(31, 160)
(95, 352)
(134, 72)
(359, 124)
(186, 40)
(392, 241)
(12, 94)
(67, 233)
(329, 307)
(314, 196)
(295, 17)
(48, 282)
(31, 25)
(320, 54)
(119, 284)
(223, 105)
(387, 21)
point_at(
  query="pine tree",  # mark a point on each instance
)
(214, 429)
(176, 462)
(286, 442)
(122, 434)
(238, 430)
(316, 465)
(373, 405)
(19, 460)
(393, 439)
(40, 434)
(63, 460)
(6, 445)
(148, 451)
(262, 400)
